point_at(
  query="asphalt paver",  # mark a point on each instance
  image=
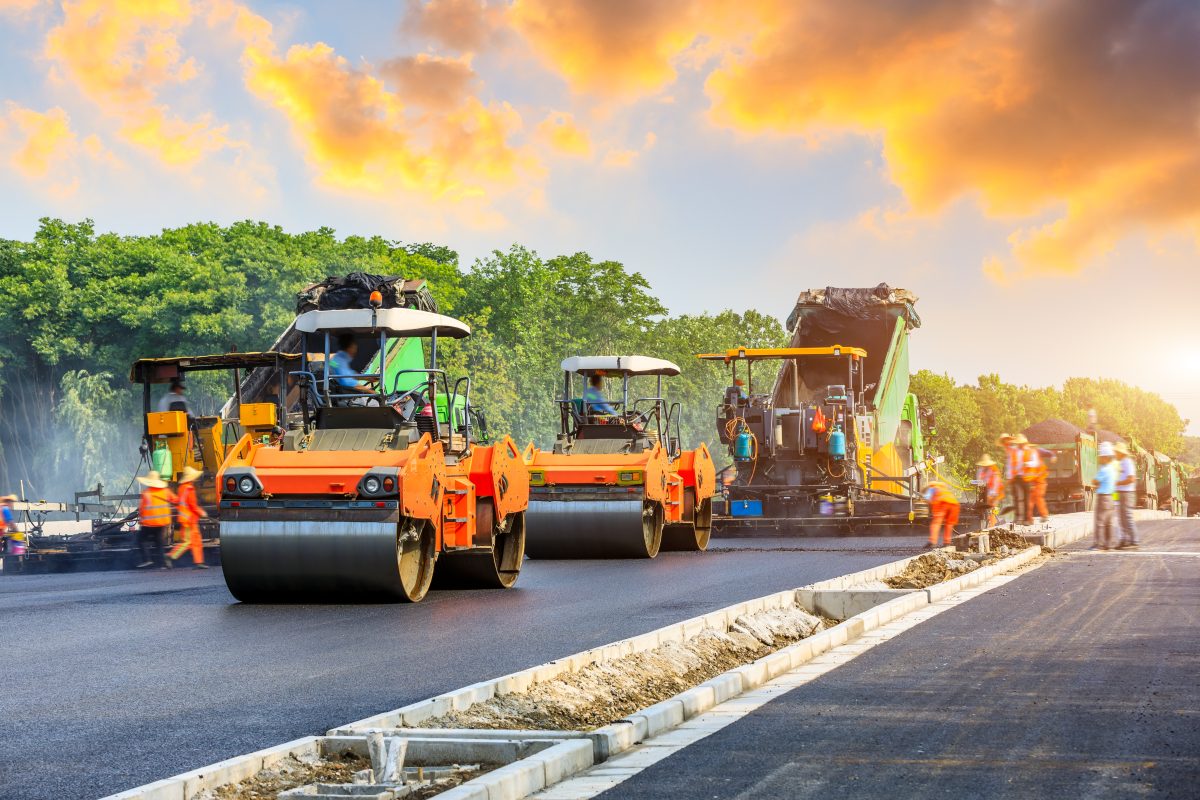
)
(111, 680)
(1077, 679)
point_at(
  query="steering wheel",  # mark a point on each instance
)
(640, 418)
(400, 402)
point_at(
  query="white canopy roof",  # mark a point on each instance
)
(620, 365)
(398, 321)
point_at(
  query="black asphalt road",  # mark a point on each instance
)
(110, 680)
(1080, 679)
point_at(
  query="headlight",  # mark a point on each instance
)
(371, 485)
(246, 485)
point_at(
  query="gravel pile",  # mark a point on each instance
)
(1052, 431)
(1109, 436)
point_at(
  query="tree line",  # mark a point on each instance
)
(77, 307)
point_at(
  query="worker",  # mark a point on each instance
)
(1126, 497)
(175, 399)
(740, 385)
(12, 539)
(594, 401)
(991, 484)
(154, 519)
(1106, 484)
(1035, 472)
(1013, 467)
(341, 367)
(943, 510)
(190, 513)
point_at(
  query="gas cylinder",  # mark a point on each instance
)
(160, 460)
(837, 443)
(743, 445)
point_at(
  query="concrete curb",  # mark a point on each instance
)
(1068, 528)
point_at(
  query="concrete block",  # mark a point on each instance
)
(168, 789)
(468, 696)
(800, 653)
(672, 634)
(777, 663)
(615, 738)
(697, 700)
(466, 791)
(564, 760)
(514, 781)
(725, 686)
(753, 675)
(517, 682)
(692, 627)
(717, 620)
(426, 709)
(754, 606)
(647, 641)
(549, 671)
(661, 716)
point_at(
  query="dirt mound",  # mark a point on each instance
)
(290, 773)
(998, 539)
(1052, 431)
(1109, 436)
(602, 693)
(933, 568)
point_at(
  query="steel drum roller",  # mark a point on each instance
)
(288, 560)
(592, 529)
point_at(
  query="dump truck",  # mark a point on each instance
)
(617, 483)
(837, 439)
(1147, 475)
(1193, 493)
(1069, 480)
(1170, 484)
(383, 488)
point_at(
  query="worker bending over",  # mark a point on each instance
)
(1106, 484)
(190, 514)
(1126, 497)
(991, 485)
(943, 508)
(154, 518)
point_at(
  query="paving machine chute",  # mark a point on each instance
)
(383, 488)
(617, 483)
(837, 439)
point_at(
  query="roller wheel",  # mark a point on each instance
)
(414, 559)
(694, 535)
(594, 529)
(495, 568)
(652, 528)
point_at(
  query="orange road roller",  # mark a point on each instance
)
(380, 489)
(617, 484)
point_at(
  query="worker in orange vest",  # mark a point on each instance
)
(1035, 472)
(154, 518)
(943, 508)
(1014, 469)
(190, 513)
(991, 485)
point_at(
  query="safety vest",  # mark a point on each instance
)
(189, 509)
(1033, 469)
(155, 508)
(940, 494)
(1013, 462)
(990, 478)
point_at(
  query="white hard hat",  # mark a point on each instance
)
(1106, 449)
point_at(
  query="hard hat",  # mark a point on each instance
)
(986, 461)
(1004, 437)
(1120, 448)
(8, 498)
(1106, 449)
(1020, 439)
(153, 480)
(189, 474)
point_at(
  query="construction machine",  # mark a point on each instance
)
(837, 439)
(617, 483)
(382, 488)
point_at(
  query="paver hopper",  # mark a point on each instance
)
(383, 488)
(617, 484)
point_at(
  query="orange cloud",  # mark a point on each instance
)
(122, 54)
(462, 25)
(430, 81)
(561, 132)
(20, 7)
(44, 139)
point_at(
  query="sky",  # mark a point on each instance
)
(1030, 168)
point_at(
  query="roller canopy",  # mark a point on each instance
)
(620, 365)
(163, 370)
(398, 321)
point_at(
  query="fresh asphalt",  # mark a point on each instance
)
(1078, 679)
(111, 680)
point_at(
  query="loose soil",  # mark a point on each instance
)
(603, 693)
(294, 772)
(1052, 431)
(1014, 542)
(936, 567)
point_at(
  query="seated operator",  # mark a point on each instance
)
(174, 399)
(340, 367)
(594, 401)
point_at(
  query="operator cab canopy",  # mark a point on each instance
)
(620, 365)
(395, 321)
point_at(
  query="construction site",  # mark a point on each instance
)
(404, 601)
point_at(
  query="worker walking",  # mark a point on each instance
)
(1126, 497)
(1035, 472)
(12, 538)
(1014, 467)
(1106, 484)
(190, 513)
(943, 509)
(154, 518)
(991, 487)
